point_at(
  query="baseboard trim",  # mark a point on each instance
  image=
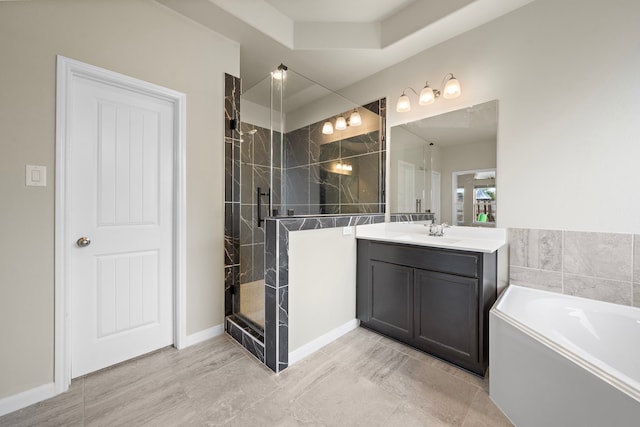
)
(321, 341)
(204, 335)
(26, 398)
(29, 397)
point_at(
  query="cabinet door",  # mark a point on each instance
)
(391, 299)
(446, 309)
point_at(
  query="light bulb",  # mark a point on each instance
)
(327, 128)
(278, 74)
(452, 88)
(355, 119)
(404, 104)
(341, 123)
(426, 95)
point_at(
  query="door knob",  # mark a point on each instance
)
(83, 241)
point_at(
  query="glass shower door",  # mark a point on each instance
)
(304, 150)
(260, 159)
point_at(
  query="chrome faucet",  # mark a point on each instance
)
(437, 229)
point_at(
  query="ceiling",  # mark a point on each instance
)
(336, 42)
(339, 10)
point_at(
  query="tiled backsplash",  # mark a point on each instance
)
(602, 266)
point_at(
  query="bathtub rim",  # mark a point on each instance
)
(577, 359)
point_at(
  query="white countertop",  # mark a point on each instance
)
(475, 239)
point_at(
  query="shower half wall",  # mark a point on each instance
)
(301, 171)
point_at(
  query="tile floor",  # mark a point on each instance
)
(360, 379)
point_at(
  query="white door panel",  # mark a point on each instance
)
(121, 187)
(406, 186)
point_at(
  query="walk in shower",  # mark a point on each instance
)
(293, 149)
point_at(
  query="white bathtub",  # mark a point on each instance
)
(558, 360)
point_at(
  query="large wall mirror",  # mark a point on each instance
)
(446, 164)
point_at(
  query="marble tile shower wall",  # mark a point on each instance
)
(601, 266)
(242, 333)
(313, 183)
(255, 172)
(231, 192)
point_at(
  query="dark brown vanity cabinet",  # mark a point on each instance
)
(436, 300)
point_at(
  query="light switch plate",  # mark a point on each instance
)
(347, 231)
(36, 176)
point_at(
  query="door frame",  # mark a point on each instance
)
(67, 69)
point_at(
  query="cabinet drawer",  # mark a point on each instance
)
(433, 259)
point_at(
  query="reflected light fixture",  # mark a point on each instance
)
(344, 167)
(327, 128)
(354, 118)
(450, 89)
(342, 123)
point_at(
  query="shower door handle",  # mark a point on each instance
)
(259, 195)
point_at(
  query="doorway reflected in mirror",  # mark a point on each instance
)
(475, 201)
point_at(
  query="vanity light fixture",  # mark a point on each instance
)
(342, 123)
(327, 128)
(450, 89)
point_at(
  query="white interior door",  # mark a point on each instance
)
(406, 186)
(121, 200)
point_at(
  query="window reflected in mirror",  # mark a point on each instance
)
(475, 198)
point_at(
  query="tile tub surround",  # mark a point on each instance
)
(601, 266)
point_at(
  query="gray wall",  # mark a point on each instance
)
(138, 38)
(568, 102)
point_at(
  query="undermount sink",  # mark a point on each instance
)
(430, 239)
(475, 239)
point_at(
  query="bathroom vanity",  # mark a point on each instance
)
(432, 293)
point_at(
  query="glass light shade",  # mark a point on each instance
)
(278, 74)
(451, 88)
(341, 123)
(404, 104)
(355, 119)
(327, 128)
(426, 96)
